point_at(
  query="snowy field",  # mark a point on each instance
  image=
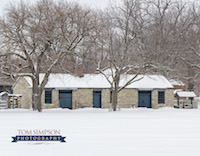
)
(97, 132)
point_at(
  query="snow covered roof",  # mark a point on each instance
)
(99, 81)
(3, 93)
(15, 95)
(186, 94)
(176, 82)
(177, 90)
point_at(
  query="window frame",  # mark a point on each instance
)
(161, 92)
(49, 98)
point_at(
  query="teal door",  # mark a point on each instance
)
(144, 99)
(97, 99)
(65, 97)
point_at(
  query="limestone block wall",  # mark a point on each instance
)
(82, 96)
(169, 97)
(55, 100)
(105, 98)
(126, 97)
(23, 87)
(154, 99)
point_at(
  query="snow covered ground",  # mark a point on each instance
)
(97, 132)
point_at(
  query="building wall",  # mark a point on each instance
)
(105, 98)
(82, 97)
(128, 97)
(169, 97)
(154, 99)
(22, 87)
(55, 100)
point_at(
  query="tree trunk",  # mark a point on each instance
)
(33, 106)
(33, 95)
(114, 100)
(115, 92)
(38, 102)
(37, 93)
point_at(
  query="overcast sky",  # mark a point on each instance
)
(91, 3)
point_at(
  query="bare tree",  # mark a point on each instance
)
(41, 35)
(165, 36)
(141, 34)
(170, 34)
(123, 33)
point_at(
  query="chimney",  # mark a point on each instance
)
(20, 65)
(80, 71)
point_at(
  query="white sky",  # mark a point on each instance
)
(90, 3)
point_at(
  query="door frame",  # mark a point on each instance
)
(147, 91)
(66, 91)
(100, 91)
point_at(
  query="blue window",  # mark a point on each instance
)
(161, 97)
(48, 96)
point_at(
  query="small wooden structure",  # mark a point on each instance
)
(188, 101)
(14, 101)
(4, 100)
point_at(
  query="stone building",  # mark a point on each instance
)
(93, 90)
